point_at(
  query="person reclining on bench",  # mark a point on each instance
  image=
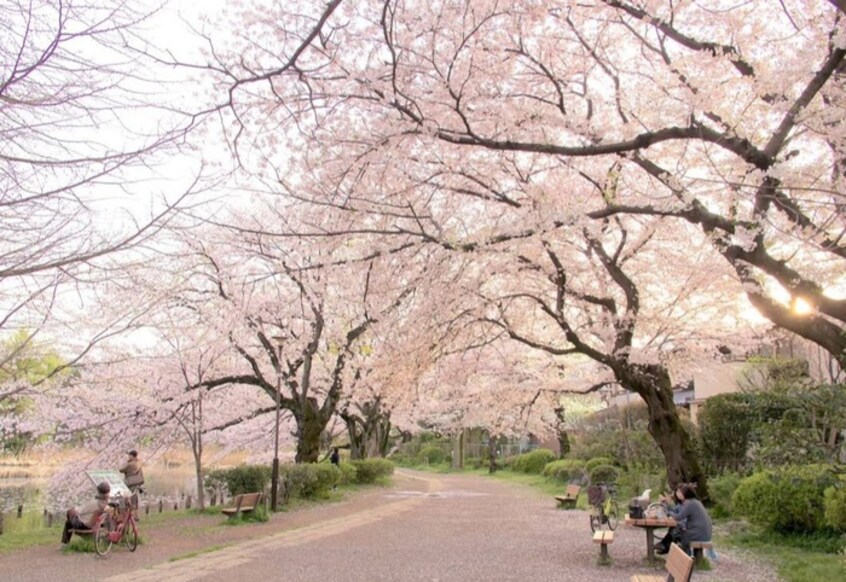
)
(85, 518)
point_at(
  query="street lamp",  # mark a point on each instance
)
(274, 476)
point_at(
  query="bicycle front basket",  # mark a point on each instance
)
(596, 494)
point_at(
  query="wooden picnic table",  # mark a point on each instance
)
(650, 524)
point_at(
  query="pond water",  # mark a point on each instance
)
(26, 491)
(22, 487)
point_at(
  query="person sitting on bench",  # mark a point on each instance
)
(87, 516)
(694, 524)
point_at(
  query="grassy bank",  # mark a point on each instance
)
(798, 558)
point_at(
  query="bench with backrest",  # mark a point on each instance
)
(679, 567)
(603, 538)
(244, 503)
(571, 495)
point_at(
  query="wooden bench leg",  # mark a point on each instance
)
(604, 556)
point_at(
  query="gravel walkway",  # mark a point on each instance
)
(427, 527)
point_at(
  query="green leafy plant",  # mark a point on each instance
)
(533, 462)
(241, 479)
(786, 500)
(372, 470)
(431, 454)
(566, 471)
(604, 474)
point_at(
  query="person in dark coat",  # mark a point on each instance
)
(694, 523)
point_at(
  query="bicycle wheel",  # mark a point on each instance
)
(595, 524)
(613, 516)
(130, 536)
(102, 537)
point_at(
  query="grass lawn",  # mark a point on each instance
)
(28, 531)
(797, 558)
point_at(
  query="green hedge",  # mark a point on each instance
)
(721, 491)
(604, 474)
(596, 462)
(241, 479)
(371, 470)
(566, 471)
(835, 506)
(431, 454)
(308, 480)
(790, 499)
(533, 462)
(348, 474)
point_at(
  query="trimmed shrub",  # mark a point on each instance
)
(604, 474)
(785, 500)
(533, 462)
(566, 471)
(721, 490)
(431, 454)
(403, 460)
(371, 470)
(835, 506)
(348, 474)
(241, 479)
(308, 480)
(597, 461)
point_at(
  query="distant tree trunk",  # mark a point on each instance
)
(458, 450)
(368, 431)
(561, 430)
(492, 467)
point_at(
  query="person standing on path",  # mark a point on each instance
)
(335, 459)
(133, 476)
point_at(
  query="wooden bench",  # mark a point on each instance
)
(244, 503)
(604, 539)
(699, 551)
(570, 496)
(679, 566)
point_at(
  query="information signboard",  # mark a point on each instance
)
(113, 478)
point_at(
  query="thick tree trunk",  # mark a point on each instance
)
(356, 437)
(458, 451)
(652, 383)
(310, 426)
(563, 443)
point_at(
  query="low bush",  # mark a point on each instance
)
(533, 462)
(348, 474)
(790, 499)
(597, 461)
(258, 515)
(566, 471)
(834, 503)
(371, 470)
(431, 454)
(604, 474)
(403, 459)
(309, 480)
(721, 489)
(241, 479)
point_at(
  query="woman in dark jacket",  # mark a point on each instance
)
(694, 524)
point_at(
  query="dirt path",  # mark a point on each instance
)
(425, 527)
